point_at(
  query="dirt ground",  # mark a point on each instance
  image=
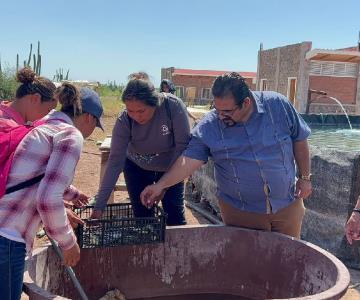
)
(87, 179)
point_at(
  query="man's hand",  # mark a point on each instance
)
(74, 219)
(81, 200)
(303, 188)
(352, 227)
(72, 255)
(151, 195)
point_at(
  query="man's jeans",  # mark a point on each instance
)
(137, 179)
(12, 263)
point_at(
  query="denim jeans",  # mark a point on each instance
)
(12, 263)
(137, 179)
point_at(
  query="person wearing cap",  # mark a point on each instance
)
(147, 138)
(256, 140)
(34, 100)
(91, 103)
(52, 149)
(167, 86)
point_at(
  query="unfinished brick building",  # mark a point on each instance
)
(305, 76)
(194, 86)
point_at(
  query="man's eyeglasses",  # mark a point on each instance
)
(226, 112)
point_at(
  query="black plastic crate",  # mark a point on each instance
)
(118, 226)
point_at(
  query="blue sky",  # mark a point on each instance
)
(107, 40)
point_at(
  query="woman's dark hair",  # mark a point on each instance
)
(170, 85)
(69, 98)
(31, 84)
(141, 89)
(231, 84)
(139, 75)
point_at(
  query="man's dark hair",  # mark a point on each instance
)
(231, 84)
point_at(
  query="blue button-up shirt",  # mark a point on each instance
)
(249, 155)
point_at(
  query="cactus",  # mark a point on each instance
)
(36, 60)
(59, 75)
(38, 66)
(29, 59)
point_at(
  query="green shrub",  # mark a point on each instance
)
(112, 105)
(110, 94)
(111, 89)
(8, 83)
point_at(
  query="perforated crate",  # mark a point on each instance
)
(118, 226)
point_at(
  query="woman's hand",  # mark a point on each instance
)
(72, 255)
(74, 219)
(81, 200)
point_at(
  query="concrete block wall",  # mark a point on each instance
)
(278, 64)
(267, 68)
(289, 66)
(166, 73)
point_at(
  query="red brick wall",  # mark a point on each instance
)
(200, 82)
(251, 85)
(342, 88)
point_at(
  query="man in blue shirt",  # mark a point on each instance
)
(254, 139)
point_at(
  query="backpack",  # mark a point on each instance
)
(10, 138)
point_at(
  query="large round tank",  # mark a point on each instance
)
(213, 261)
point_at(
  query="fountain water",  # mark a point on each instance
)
(341, 106)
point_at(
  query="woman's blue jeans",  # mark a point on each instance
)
(12, 263)
(137, 179)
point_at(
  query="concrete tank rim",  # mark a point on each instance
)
(30, 287)
(338, 290)
(343, 279)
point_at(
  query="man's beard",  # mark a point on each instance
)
(229, 122)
